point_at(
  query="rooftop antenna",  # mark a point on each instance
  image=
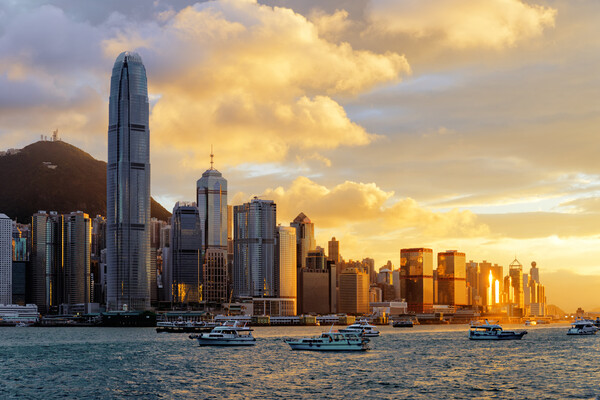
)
(211, 157)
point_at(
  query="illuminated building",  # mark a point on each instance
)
(354, 291)
(514, 289)
(128, 187)
(334, 251)
(451, 278)
(185, 275)
(490, 285)
(212, 203)
(254, 226)
(77, 255)
(472, 276)
(305, 238)
(416, 279)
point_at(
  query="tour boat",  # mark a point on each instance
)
(228, 334)
(582, 327)
(362, 327)
(403, 323)
(489, 331)
(331, 341)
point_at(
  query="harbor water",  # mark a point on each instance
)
(423, 362)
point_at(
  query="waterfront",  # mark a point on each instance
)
(422, 362)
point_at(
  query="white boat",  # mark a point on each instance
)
(531, 322)
(582, 327)
(489, 331)
(362, 327)
(231, 333)
(331, 341)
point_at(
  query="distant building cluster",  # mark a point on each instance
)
(216, 257)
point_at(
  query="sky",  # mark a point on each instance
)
(449, 124)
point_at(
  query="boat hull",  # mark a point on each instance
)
(502, 336)
(327, 346)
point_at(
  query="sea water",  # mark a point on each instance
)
(423, 362)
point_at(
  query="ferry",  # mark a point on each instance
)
(582, 327)
(228, 334)
(362, 327)
(403, 323)
(489, 331)
(331, 341)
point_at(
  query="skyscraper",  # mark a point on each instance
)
(211, 191)
(334, 251)
(185, 274)
(416, 277)
(77, 249)
(128, 186)
(354, 291)
(286, 263)
(451, 277)
(5, 260)
(305, 238)
(254, 248)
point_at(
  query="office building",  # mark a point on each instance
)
(285, 271)
(416, 279)
(317, 290)
(514, 289)
(305, 238)
(128, 187)
(491, 288)
(354, 291)
(211, 191)
(451, 279)
(254, 226)
(6, 228)
(334, 251)
(185, 273)
(77, 253)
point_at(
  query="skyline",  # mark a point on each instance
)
(332, 103)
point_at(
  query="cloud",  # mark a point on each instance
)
(462, 24)
(250, 77)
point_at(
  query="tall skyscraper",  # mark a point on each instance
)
(285, 271)
(334, 251)
(254, 226)
(305, 238)
(451, 277)
(354, 291)
(77, 252)
(211, 192)
(490, 284)
(128, 186)
(416, 278)
(185, 272)
(5, 259)
(516, 294)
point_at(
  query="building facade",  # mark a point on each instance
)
(254, 226)
(285, 264)
(5, 259)
(451, 279)
(211, 192)
(77, 256)
(305, 238)
(185, 278)
(354, 291)
(416, 279)
(128, 186)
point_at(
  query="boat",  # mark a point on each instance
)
(531, 322)
(362, 327)
(231, 333)
(331, 341)
(489, 331)
(22, 324)
(597, 322)
(403, 323)
(582, 327)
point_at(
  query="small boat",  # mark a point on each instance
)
(531, 322)
(22, 324)
(582, 327)
(362, 327)
(403, 323)
(331, 341)
(228, 334)
(489, 331)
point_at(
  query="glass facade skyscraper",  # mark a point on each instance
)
(254, 248)
(128, 187)
(211, 191)
(186, 277)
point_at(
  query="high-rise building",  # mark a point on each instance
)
(254, 226)
(317, 290)
(515, 292)
(369, 266)
(305, 238)
(334, 251)
(354, 291)
(128, 186)
(211, 192)
(20, 260)
(472, 276)
(285, 264)
(315, 259)
(490, 284)
(77, 252)
(416, 276)
(536, 292)
(215, 275)
(5, 259)
(185, 272)
(47, 261)
(451, 279)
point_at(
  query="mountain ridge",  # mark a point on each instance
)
(55, 176)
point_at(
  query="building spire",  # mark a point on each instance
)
(211, 157)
